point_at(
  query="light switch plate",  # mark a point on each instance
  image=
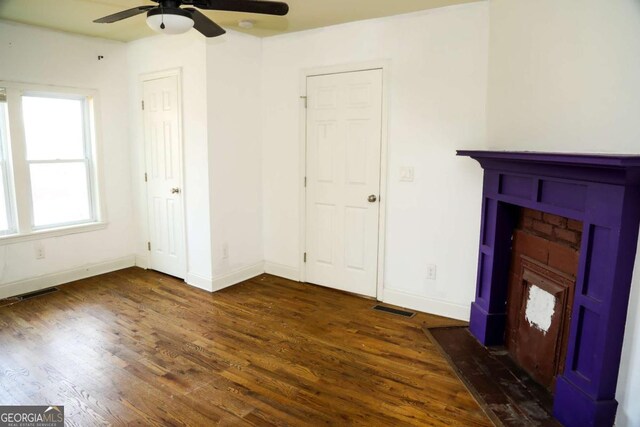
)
(406, 174)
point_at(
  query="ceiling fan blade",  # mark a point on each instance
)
(205, 25)
(252, 6)
(123, 15)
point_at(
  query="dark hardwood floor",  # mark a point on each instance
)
(139, 347)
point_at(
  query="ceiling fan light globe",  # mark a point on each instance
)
(176, 21)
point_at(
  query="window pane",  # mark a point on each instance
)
(4, 199)
(59, 193)
(4, 217)
(54, 128)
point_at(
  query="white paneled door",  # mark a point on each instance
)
(163, 149)
(344, 123)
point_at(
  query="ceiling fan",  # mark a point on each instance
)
(169, 18)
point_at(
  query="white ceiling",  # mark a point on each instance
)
(76, 16)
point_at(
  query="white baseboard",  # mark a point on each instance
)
(427, 305)
(201, 282)
(281, 270)
(54, 279)
(237, 276)
(142, 261)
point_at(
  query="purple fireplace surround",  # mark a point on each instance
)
(603, 192)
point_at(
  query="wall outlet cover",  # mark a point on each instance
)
(431, 271)
(40, 253)
(225, 250)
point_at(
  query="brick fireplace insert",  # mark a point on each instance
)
(542, 276)
(600, 191)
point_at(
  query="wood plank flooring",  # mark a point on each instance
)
(141, 348)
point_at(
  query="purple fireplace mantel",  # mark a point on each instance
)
(603, 192)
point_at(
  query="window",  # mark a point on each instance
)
(58, 160)
(47, 161)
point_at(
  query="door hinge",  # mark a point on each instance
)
(148, 246)
(305, 101)
(305, 257)
(145, 177)
(305, 181)
(142, 104)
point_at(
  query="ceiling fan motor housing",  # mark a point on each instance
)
(169, 3)
(169, 11)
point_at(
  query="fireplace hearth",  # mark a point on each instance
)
(600, 191)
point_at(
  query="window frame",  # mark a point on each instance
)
(7, 177)
(20, 177)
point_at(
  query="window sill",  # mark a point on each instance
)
(56, 232)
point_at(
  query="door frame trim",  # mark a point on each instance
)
(145, 77)
(385, 66)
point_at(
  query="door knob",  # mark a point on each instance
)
(175, 190)
(372, 198)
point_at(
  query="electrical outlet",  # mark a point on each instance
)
(40, 251)
(225, 250)
(431, 271)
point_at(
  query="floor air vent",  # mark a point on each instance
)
(13, 300)
(36, 294)
(395, 311)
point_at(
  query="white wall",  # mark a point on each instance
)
(564, 76)
(187, 52)
(436, 97)
(235, 155)
(41, 56)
